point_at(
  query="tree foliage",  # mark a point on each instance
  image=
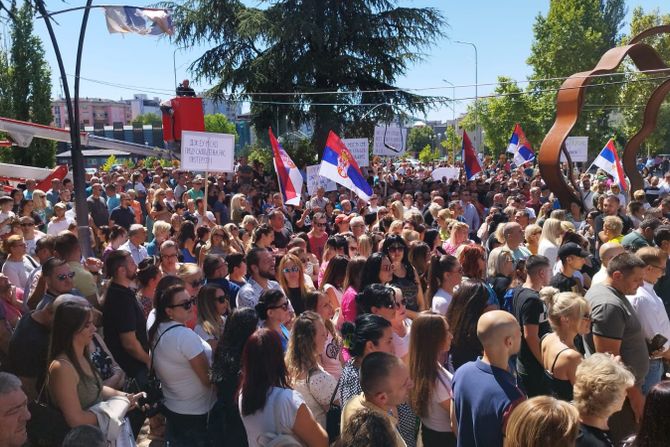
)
(219, 123)
(498, 115)
(428, 154)
(420, 137)
(309, 46)
(25, 88)
(634, 95)
(148, 119)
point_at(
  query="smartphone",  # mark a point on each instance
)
(657, 342)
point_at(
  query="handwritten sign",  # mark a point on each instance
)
(207, 151)
(578, 148)
(314, 180)
(389, 141)
(359, 149)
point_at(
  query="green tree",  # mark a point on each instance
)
(419, 137)
(571, 38)
(218, 122)
(428, 154)
(634, 95)
(294, 47)
(26, 88)
(452, 142)
(499, 114)
(148, 119)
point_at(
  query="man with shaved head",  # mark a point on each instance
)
(606, 252)
(486, 391)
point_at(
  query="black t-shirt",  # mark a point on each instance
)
(98, 210)
(530, 309)
(124, 217)
(122, 313)
(593, 437)
(28, 349)
(565, 284)
(282, 238)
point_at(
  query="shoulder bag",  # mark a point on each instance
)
(47, 426)
(333, 414)
(153, 388)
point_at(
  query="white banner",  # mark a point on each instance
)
(389, 141)
(449, 173)
(207, 151)
(314, 180)
(578, 148)
(359, 149)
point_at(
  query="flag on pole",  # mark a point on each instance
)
(288, 174)
(470, 160)
(132, 19)
(520, 147)
(608, 161)
(341, 167)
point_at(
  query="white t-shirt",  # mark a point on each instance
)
(183, 391)
(277, 416)
(17, 271)
(438, 418)
(56, 227)
(317, 395)
(441, 301)
(401, 344)
(330, 358)
(3, 217)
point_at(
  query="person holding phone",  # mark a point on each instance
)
(651, 313)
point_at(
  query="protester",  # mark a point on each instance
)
(212, 304)
(444, 275)
(330, 353)
(542, 422)
(273, 311)
(13, 412)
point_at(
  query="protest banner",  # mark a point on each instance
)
(207, 151)
(389, 141)
(314, 180)
(359, 149)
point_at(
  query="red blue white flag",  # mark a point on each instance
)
(290, 178)
(608, 161)
(341, 167)
(470, 160)
(520, 147)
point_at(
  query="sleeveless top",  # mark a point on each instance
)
(187, 256)
(89, 388)
(409, 288)
(560, 388)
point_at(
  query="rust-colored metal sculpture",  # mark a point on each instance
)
(570, 100)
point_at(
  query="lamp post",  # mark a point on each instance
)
(476, 87)
(453, 111)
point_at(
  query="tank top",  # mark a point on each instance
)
(188, 257)
(89, 388)
(560, 388)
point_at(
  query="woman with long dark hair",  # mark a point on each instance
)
(226, 370)
(267, 403)
(404, 275)
(273, 311)
(444, 274)
(654, 430)
(352, 284)
(469, 303)
(186, 240)
(332, 282)
(431, 394)
(73, 382)
(181, 361)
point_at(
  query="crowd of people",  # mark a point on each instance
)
(438, 313)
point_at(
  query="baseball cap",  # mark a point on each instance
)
(572, 249)
(342, 218)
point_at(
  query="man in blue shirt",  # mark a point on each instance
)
(485, 391)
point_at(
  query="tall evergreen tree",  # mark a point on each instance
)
(29, 88)
(297, 46)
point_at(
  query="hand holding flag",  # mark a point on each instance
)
(289, 176)
(608, 160)
(520, 147)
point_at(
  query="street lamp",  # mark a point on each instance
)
(476, 89)
(453, 110)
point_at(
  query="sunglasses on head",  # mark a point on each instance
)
(186, 305)
(64, 276)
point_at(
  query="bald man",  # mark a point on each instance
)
(606, 252)
(485, 391)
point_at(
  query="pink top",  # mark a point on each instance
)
(347, 313)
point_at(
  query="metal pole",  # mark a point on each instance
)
(453, 113)
(476, 88)
(81, 207)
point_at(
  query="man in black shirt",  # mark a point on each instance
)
(573, 257)
(123, 214)
(97, 207)
(531, 313)
(282, 234)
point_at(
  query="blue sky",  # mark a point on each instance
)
(502, 31)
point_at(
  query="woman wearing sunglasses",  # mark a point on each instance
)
(181, 360)
(401, 325)
(193, 279)
(273, 310)
(213, 307)
(291, 278)
(404, 275)
(217, 244)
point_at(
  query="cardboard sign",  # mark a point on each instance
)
(578, 148)
(359, 149)
(207, 151)
(314, 180)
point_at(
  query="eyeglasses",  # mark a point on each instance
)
(64, 276)
(396, 248)
(167, 256)
(283, 306)
(186, 305)
(320, 224)
(197, 282)
(28, 224)
(222, 299)
(291, 270)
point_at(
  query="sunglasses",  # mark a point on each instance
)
(283, 306)
(197, 283)
(64, 276)
(291, 270)
(27, 224)
(222, 299)
(186, 305)
(396, 248)
(319, 225)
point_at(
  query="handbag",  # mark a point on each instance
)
(47, 426)
(333, 414)
(153, 388)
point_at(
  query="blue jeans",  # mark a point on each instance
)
(186, 430)
(654, 375)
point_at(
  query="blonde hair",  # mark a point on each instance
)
(444, 213)
(613, 224)
(651, 255)
(563, 304)
(39, 199)
(10, 241)
(398, 210)
(410, 235)
(566, 226)
(496, 260)
(187, 269)
(281, 278)
(396, 227)
(552, 231)
(364, 245)
(531, 229)
(542, 421)
(601, 380)
(161, 226)
(249, 220)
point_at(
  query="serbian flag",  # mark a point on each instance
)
(520, 147)
(290, 178)
(472, 164)
(341, 167)
(608, 161)
(132, 19)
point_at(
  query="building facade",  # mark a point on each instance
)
(141, 105)
(93, 112)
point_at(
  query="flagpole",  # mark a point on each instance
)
(87, 7)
